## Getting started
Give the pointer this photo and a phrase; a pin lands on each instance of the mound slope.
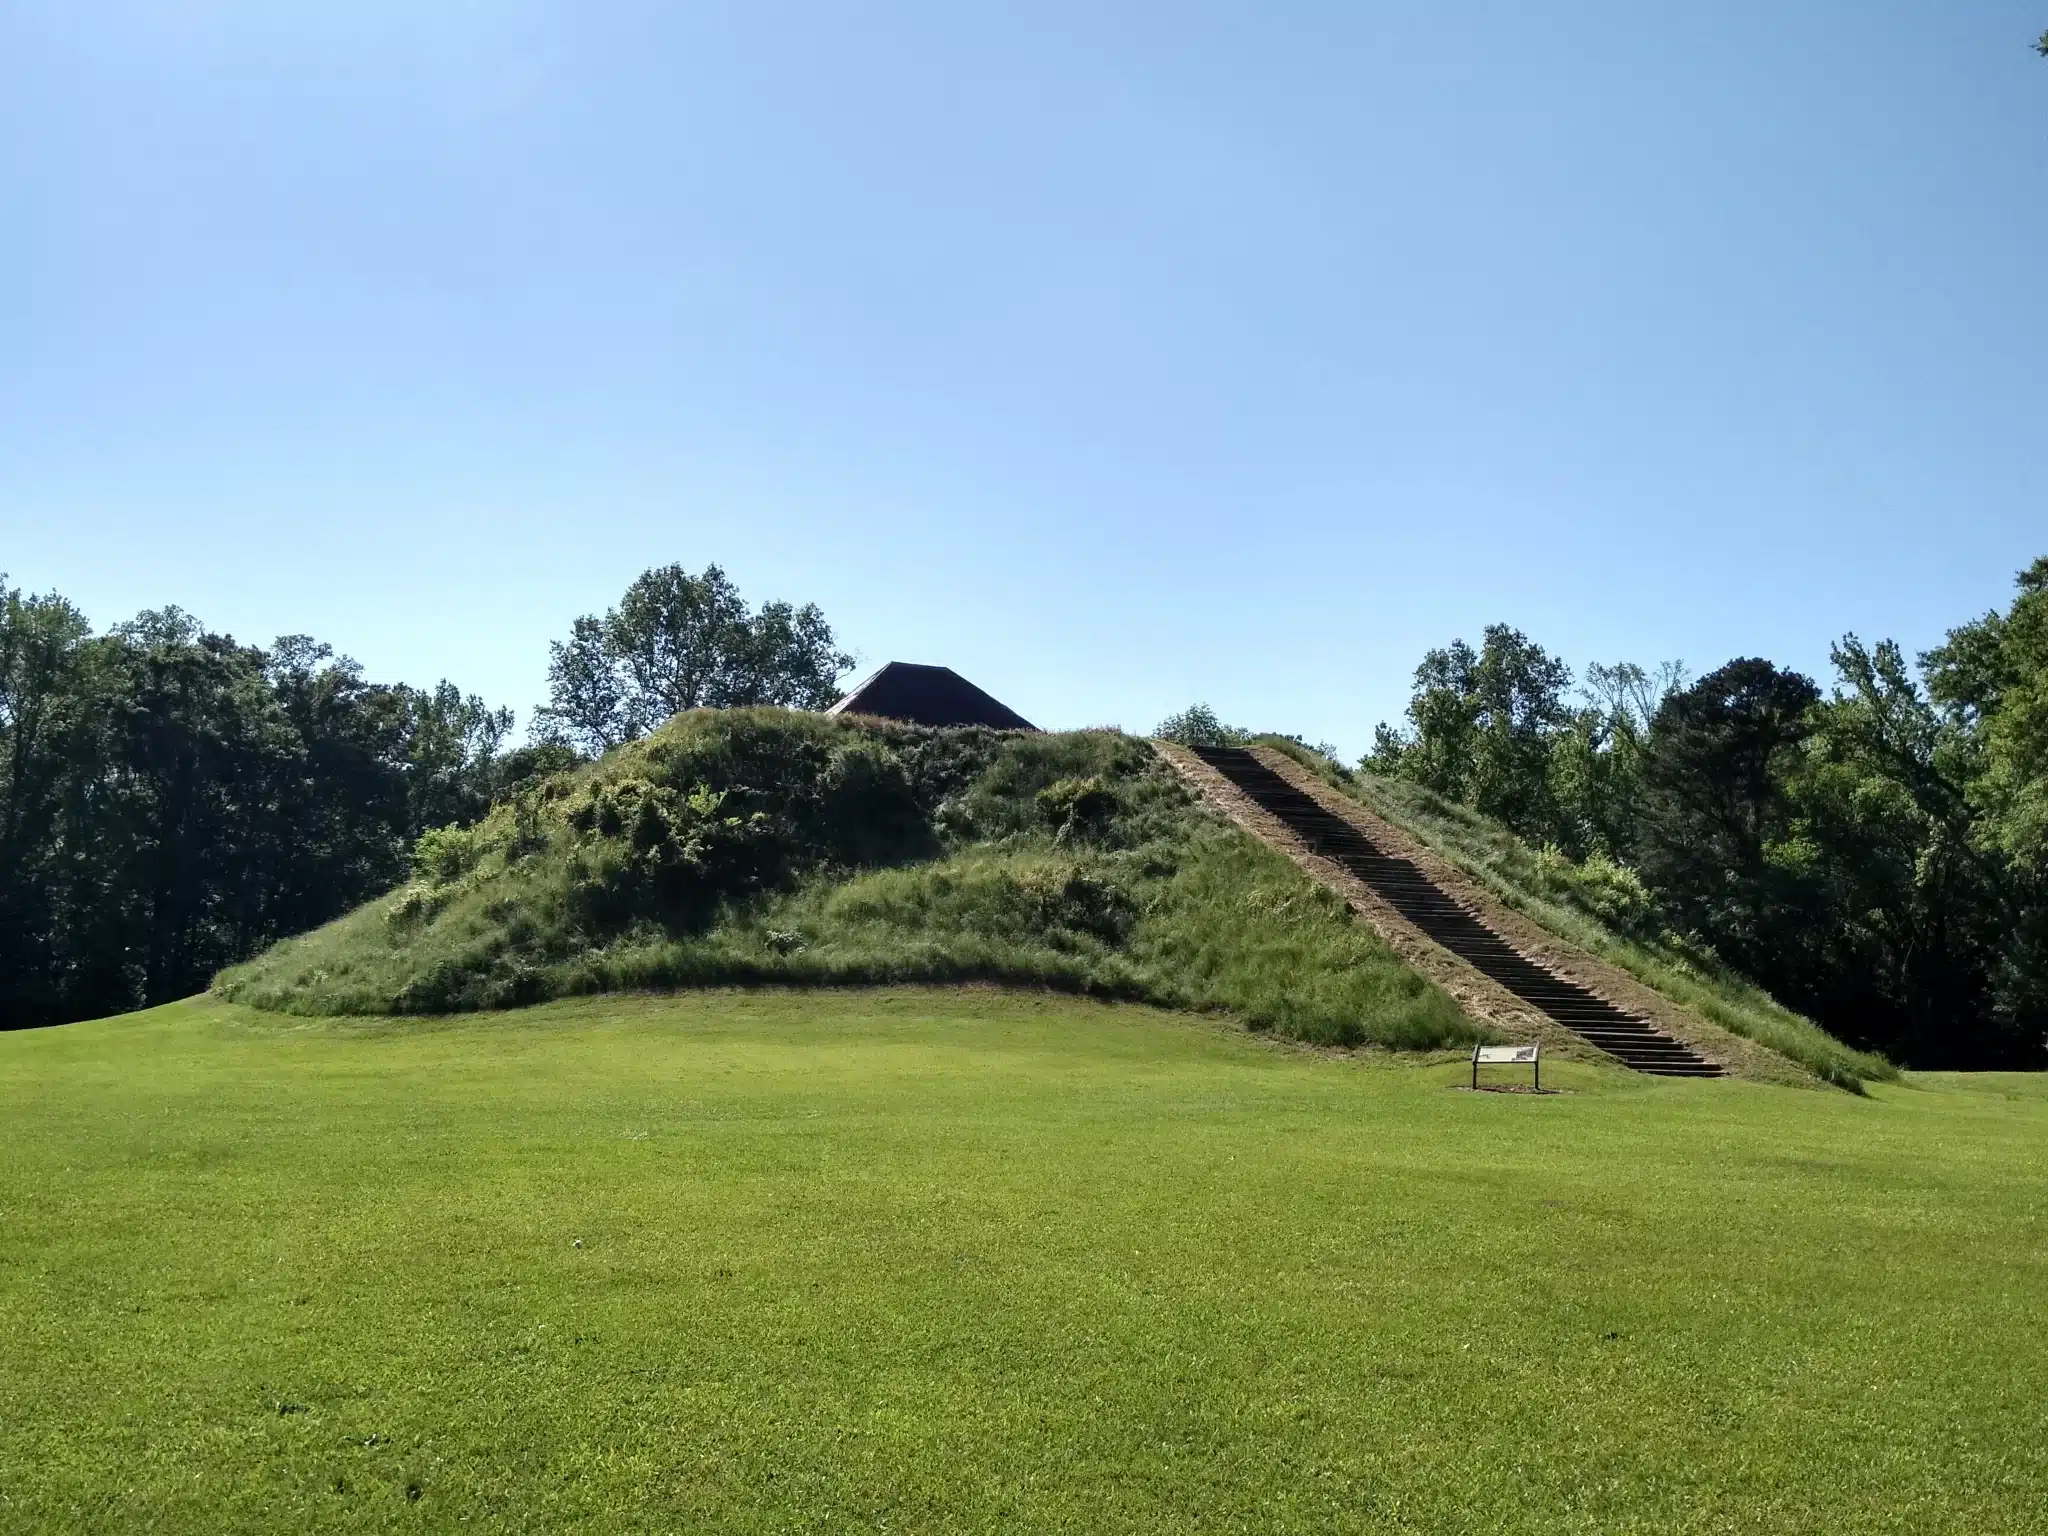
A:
(774, 846)
(1587, 924)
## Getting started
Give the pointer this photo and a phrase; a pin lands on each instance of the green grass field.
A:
(960, 1260)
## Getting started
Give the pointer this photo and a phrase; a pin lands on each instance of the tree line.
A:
(172, 800)
(1874, 853)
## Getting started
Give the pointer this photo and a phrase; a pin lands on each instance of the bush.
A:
(1077, 809)
(1197, 726)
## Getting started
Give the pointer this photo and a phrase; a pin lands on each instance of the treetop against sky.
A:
(1013, 340)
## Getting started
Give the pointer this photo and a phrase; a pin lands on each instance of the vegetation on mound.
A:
(1600, 906)
(771, 846)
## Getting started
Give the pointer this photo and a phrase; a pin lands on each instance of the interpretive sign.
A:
(1530, 1056)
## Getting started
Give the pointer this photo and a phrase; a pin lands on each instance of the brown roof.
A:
(928, 696)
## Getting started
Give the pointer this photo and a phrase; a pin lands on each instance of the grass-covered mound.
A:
(1602, 907)
(771, 846)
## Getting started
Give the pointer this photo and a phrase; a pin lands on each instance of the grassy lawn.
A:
(935, 1261)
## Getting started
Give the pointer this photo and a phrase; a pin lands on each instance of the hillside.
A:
(1597, 907)
(775, 846)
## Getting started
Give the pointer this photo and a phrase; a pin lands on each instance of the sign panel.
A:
(1505, 1055)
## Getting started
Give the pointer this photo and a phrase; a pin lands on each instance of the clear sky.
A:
(1116, 355)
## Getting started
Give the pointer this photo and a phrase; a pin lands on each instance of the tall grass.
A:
(1601, 907)
(1074, 861)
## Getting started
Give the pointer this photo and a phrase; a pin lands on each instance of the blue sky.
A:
(1115, 355)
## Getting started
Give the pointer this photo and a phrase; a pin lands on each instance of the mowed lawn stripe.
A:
(964, 1260)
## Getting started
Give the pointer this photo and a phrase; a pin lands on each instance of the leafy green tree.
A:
(381, 763)
(40, 642)
(1901, 916)
(1596, 759)
(1991, 679)
(171, 800)
(1197, 726)
(1482, 724)
(192, 838)
(1993, 676)
(1714, 802)
(45, 727)
(453, 741)
(676, 642)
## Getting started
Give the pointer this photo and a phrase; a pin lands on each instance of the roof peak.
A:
(922, 693)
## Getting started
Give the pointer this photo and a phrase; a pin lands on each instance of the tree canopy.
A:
(1876, 856)
(676, 642)
(171, 799)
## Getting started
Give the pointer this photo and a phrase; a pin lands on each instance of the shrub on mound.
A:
(771, 846)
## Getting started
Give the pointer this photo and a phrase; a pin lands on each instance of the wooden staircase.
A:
(1410, 892)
